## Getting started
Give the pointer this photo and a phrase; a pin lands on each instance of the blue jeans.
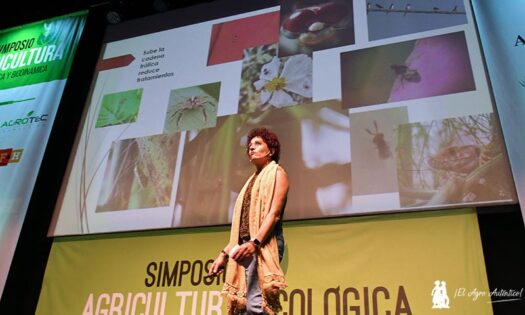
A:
(254, 295)
(254, 298)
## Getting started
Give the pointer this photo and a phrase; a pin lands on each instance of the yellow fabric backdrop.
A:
(385, 264)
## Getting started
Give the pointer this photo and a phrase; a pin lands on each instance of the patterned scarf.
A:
(271, 276)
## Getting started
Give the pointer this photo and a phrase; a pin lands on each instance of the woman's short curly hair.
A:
(269, 138)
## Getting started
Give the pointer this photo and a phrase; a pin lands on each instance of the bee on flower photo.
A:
(269, 81)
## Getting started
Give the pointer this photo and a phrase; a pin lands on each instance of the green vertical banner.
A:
(39, 52)
(34, 63)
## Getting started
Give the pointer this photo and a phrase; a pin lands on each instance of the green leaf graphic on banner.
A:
(30, 113)
(119, 108)
(50, 34)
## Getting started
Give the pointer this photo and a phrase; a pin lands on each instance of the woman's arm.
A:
(218, 265)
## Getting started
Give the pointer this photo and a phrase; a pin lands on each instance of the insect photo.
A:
(119, 108)
(192, 108)
(379, 141)
(189, 105)
(406, 74)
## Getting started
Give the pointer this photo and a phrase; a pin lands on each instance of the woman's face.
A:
(258, 150)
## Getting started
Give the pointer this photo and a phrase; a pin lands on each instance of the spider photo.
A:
(192, 108)
(190, 105)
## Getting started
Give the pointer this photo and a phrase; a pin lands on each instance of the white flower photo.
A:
(295, 78)
(269, 81)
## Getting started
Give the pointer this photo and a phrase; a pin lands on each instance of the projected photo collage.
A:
(376, 111)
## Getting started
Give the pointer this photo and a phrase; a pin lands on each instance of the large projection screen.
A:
(379, 108)
(34, 64)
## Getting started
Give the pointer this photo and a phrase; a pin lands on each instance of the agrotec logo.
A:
(8, 156)
(29, 119)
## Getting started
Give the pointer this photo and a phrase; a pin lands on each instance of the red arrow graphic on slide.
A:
(115, 62)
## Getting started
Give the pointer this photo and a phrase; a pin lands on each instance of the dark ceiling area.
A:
(34, 10)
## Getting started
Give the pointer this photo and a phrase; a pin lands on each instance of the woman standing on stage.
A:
(253, 275)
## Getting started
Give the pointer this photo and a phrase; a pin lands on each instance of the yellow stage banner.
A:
(413, 263)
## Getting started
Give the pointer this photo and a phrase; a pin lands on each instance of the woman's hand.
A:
(244, 251)
(218, 265)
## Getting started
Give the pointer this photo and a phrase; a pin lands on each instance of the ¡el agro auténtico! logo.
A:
(30, 119)
(496, 295)
(440, 299)
(439, 294)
